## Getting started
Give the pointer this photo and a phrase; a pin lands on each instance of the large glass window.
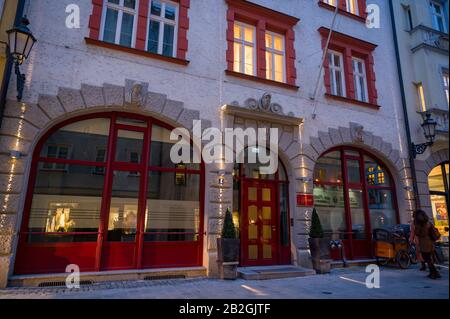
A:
(275, 53)
(337, 79)
(119, 22)
(438, 16)
(162, 28)
(360, 80)
(244, 48)
(438, 181)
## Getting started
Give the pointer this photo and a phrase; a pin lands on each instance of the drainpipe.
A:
(9, 63)
(405, 108)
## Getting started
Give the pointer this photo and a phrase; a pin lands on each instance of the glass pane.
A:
(268, 40)
(269, 65)
(160, 150)
(78, 141)
(248, 34)
(266, 194)
(130, 4)
(440, 215)
(381, 207)
(278, 43)
(252, 164)
(252, 214)
(267, 251)
(436, 179)
(357, 212)
(284, 221)
(279, 68)
(328, 168)
(132, 122)
(252, 194)
(173, 209)
(252, 231)
(337, 60)
(237, 57)
(123, 210)
(126, 32)
(267, 232)
(129, 143)
(168, 40)
(351, 152)
(66, 201)
(248, 60)
(353, 171)
(252, 252)
(376, 175)
(156, 8)
(237, 31)
(339, 87)
(109, 33)
(114, 1)
(447, 173)
(329, 203)
(153, 36)
(267, 213)
(170, 12)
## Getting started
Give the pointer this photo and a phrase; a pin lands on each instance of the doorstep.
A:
(58, 279)
(352, 263)
(273, 272)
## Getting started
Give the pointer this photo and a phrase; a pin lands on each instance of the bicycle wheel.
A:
(413, 255)
(403, 259)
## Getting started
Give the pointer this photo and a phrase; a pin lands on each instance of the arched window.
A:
(106, 182)
(438, 183)
(353, 194)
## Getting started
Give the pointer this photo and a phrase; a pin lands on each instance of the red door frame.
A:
(283, 253)
(355, 248)
(27, 253)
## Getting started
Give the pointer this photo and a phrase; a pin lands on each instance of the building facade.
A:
(422, 32)
(94, 185)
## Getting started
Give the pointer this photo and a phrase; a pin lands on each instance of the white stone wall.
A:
(65, 77)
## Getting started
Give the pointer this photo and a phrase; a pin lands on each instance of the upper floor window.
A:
(421, 97)
(56, 151)
(336, 67)
(119, 22)
(244, 48)
(437, 16)
(360, 79)
(162, 27)
(275, 53)
(445, 80)
(352, 6)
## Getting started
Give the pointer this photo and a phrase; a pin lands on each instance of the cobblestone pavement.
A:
(340, 283)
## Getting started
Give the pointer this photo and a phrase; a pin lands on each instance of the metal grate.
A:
(164, 277)
(63, 283)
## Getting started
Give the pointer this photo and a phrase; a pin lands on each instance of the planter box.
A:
(228, 257)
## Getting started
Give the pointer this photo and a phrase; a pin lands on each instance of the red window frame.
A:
(355, 248)
(351, 47)
(95, 20)
(42, 257)
(262, 19)
(361, 16)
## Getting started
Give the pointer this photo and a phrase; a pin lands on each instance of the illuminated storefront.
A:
(438, 181)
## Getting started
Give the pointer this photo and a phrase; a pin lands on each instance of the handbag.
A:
(435, 235)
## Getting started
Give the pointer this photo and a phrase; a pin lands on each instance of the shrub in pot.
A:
(228, 249)
(315, 236)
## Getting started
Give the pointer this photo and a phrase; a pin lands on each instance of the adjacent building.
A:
(91, 182)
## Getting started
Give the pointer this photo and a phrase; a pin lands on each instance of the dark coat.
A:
(426, 244)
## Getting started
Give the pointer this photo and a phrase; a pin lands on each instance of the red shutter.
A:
(291, 71)
(261, 48)
(95, 19)
(348, 67)
(230, 39)
(141, 33)
(183, 27)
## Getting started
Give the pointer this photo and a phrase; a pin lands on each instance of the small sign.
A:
(305, 199)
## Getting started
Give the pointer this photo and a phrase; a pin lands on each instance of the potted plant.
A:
(315, 238)
(228, 249)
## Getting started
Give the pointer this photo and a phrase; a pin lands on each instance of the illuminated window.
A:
(375, 176)
(275, 57)
(244, 48)
(331, 2)
(445, 80)
(352, 6)
(421, 96)
(119, 22)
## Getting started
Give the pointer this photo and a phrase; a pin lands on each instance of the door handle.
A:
(274, 228)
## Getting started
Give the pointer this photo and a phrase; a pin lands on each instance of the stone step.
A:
(103, 276)
(273, 272)
(351, 263)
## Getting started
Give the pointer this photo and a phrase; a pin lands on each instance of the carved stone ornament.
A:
(357, 132)
(263, 104)
(135, 92)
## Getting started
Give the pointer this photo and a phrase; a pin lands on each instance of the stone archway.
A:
(25, 122)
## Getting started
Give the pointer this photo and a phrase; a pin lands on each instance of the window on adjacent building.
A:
(275, 57)
(162, 27)
(330, 2)
(119, 22)
(445, 80)
(336, 66)
(244, 48)
(408, 18)
(59, 152)
(100, 157)
(360, 79)
(437, 16)
(421, 96)
(352, 6)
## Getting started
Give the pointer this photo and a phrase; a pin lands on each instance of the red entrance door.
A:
(259, 219)
(125, 203)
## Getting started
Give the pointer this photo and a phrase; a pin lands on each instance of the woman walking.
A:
(422, 230)
(415, 240)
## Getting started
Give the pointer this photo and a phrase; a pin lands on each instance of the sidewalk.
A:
(340, 283)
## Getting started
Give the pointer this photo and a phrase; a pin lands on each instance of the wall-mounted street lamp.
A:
(20, 43)
(429, 130)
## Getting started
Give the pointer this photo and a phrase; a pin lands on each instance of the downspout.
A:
(9, 63)
(405, 108)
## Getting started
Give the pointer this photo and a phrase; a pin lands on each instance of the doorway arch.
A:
(97, 197)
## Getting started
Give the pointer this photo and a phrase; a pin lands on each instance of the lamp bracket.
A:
(420, 148)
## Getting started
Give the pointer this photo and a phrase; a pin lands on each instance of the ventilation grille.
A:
(164, 277)
(63, 283)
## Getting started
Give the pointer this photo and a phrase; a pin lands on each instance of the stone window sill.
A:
(136, 51)
(340, 11)
(261, 80)
(352, 101)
